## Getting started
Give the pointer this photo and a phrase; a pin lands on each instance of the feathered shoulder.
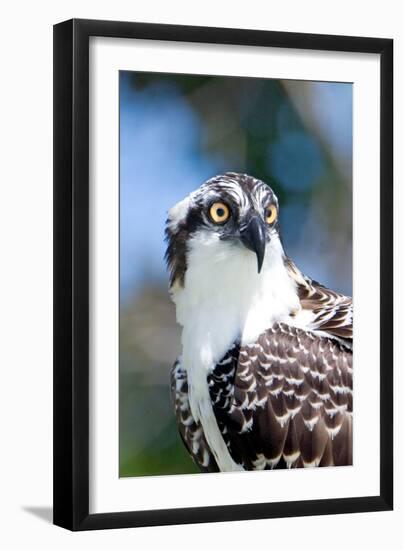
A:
(332, 311)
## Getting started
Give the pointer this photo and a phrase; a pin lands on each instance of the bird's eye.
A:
(219, 212)
(271, 214)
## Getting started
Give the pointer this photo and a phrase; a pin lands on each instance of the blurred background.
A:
(176, 131)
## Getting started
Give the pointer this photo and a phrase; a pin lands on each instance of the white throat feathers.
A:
(225, 299)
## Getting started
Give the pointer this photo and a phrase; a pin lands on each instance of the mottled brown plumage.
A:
(287, 399)
(333, 312)
(190, 431)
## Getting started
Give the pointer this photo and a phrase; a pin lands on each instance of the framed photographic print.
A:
(221, 198)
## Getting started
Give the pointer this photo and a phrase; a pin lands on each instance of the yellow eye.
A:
(219, 212)
(271, 214)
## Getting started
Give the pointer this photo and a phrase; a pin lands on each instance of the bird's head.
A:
(228, 212)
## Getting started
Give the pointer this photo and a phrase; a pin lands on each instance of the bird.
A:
(265, 375)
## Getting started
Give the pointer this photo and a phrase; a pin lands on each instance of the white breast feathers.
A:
(225, 299)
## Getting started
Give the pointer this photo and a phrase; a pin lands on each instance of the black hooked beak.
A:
(253, 236)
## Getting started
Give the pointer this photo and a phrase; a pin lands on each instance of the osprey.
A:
(265, 375)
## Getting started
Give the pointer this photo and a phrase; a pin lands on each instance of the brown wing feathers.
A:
(332, 311)
(285, 401)
(190, 431)
(291, 403)
(302, 413)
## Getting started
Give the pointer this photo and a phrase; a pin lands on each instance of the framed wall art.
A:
(222, 197)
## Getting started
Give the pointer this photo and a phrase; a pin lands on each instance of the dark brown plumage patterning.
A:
(190, 431)
(333, 312)
(286, 400)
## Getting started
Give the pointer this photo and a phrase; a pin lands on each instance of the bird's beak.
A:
(253, 236)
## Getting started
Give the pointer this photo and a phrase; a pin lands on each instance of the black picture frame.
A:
(71, 274)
